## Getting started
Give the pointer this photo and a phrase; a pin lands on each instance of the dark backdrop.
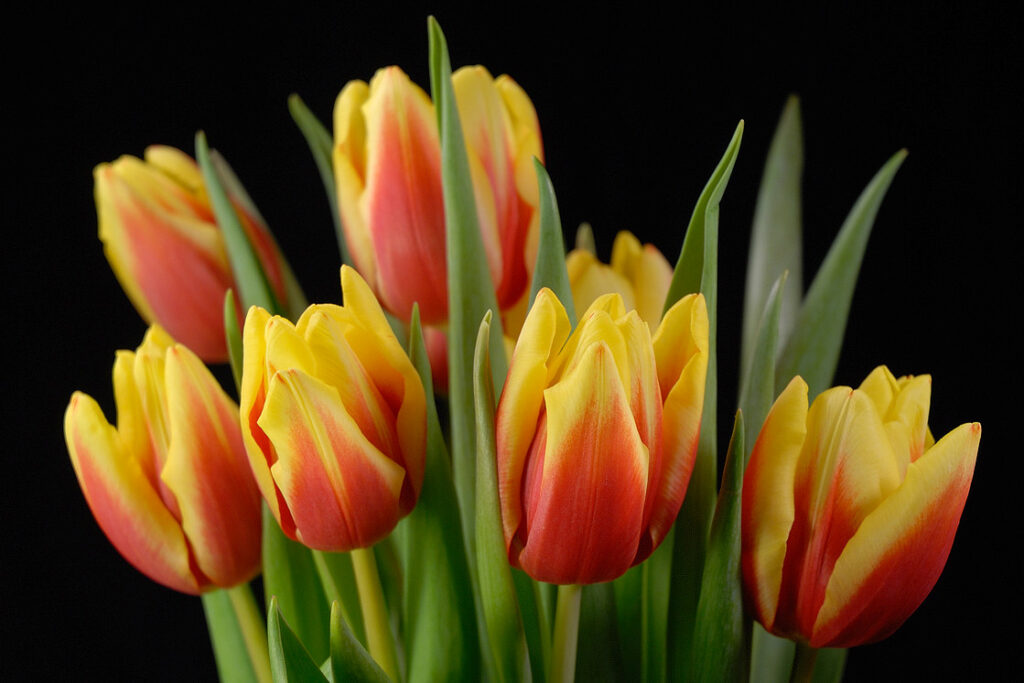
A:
(635, 109)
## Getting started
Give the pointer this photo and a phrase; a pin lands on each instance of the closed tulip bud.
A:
(163, 244)
(387, 164)
(334, 420)
(597, 434)
(170, 485)
(850, 508)
(640, 274)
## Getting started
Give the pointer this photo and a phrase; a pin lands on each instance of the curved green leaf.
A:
(349, 660)
(233, 336)
(549, 270)
(758, 391)
(289, 661)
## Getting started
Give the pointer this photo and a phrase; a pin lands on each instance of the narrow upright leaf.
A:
(233, 336)
(775, 236)
(812, 350)
(321, 146)
(349, 659)
(720, 645)
(758, 391)
(290, 662)
(549, 270)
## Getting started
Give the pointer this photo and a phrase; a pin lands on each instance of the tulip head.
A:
(589, 477)
(163, 243)
(387, 165)
(334, 420)
(850, 508)
(170, 485)
(638, 273)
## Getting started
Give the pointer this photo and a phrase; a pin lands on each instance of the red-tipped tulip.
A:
(597, 434)
(163, 244)
(850, 508)
(170, 485)
(334, 420)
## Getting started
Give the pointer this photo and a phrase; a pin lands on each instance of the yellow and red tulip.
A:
(170, 485)
(387, 165)
(163, 244)
(597, 434)
(850, 508)
(639, 273)
(334, 420)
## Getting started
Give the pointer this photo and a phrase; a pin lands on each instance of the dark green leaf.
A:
(829, 665)
(349, 659)
(598, 658)
(549, 270)
(289, 660)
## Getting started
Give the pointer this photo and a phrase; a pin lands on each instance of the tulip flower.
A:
(334, 420)
(170, 485)
(850, 508)
(638, 273)
(597, 434)
(387, 165)
(163, 244)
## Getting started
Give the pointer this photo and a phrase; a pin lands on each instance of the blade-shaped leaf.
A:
(758, 391)
(233, 336)
(349, 660)
(656, 588)
(507, 640)
(549, 270)
(289, 660)
(697, 270)
(339, 584)
(441, 640)
(321, 146)
(775, 236)
(720, 645)
(598, 658)
(812, 350)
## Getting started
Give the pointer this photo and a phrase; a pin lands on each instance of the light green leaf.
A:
(441, 639)
(549, 270)
(775, 236)
(812, 351)
(697, 270)
(289, 661)
(507, 640)
(656, 574)
(338, 580)
(349, 660)
(233, 336)
(771, 657)
(720, 646)
(321, 146)
(227, 638)
(758, 391)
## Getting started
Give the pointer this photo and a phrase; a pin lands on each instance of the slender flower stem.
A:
(380, 642)
(803, 664)
(567, 628)
(254, 630)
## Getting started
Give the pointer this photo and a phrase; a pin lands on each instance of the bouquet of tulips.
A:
(495, 460)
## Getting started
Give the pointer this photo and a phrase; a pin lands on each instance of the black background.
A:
(636, 106)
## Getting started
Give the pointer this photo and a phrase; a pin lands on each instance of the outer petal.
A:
(350, 173)
(208, 472)
(342, 492)
(768, 506)
(544, 332)
(584, 509)
(897, 554)
(125, 504)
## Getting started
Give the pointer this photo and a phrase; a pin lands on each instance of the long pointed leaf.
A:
(321, 146)
(720, 646)
(775, 236)
(338, 580)
(812, 350)
(349, 659)
(233, 336)
(289, 660)
(656, 575)
(549, 270)
(758, 391)
(598, 657)
(697, 270)
(441, 640)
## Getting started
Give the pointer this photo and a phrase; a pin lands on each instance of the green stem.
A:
(567, 629)
(803, 665)
(380, 642)
(254, 630)
(543, 620)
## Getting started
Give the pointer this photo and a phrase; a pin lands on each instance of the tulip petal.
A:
(341, 491)
(350, 173)
(583, 499)
(122, 499)
(897, 554)
(590, 279)
(208, 473)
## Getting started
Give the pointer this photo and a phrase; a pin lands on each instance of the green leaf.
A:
(290, 576)
(252, 283)
(349, 660)
(549, 270)
(233, 336)
(598, 657)
(812, 350)
(775, 236)
(229, 648)
(441, 639)
(656, 575)
(321, 146)
(771, 657)
(697, 270)
(720, 646)
(629, 614)
(829, 665)
(470, 290)
(289, 661)
(339, 584)
(758, 391)
(507, 640)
